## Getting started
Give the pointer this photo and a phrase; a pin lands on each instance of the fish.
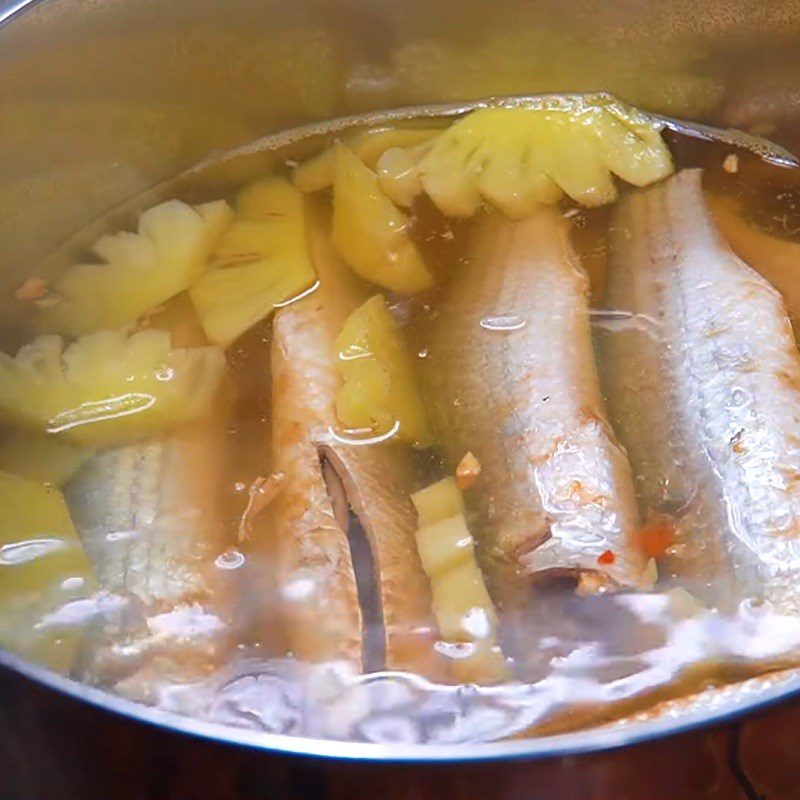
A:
(709, 407)
(144, 518)
(512, 379)
(325, 479)
(150, 520)
(777, 259)
(147, 517)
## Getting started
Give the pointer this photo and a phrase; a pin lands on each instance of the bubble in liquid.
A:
(231, 559)
(503, 322)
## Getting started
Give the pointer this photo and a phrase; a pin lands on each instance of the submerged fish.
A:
(513, 375)
(144, 517)
(324, 479)
(709, 408)
(149, 518)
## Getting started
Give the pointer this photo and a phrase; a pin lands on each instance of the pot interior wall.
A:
(98, 101)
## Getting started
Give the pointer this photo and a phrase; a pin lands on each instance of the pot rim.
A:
(534, 748)
(9, 8)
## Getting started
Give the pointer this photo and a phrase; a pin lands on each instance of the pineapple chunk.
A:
(139, 270)
(446, 545)
(379, 389)
(398, 175)
(317, 172)
(518, 157)
(42, 567)
(107, 388)
(36, 515)
(374, 143)
(461, 603)
(463, 607)
(370, 233)
(440, 500)
(260, 262)
(41, 458)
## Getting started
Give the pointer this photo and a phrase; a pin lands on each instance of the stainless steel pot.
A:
(99, 101)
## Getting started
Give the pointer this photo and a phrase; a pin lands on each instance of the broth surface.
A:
(207, 623)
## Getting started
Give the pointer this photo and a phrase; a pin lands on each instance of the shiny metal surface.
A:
(7, 10)
(100, 101)
(543, 747)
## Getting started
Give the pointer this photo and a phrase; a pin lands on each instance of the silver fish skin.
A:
(709, 409)
(145, 531)
(513, 378)
(148, 518)
(325, 477)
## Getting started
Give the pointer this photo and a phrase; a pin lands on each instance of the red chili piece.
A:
(606, 557)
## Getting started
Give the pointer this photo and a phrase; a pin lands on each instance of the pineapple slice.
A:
(139, 270)
(370, 233)
(521, 156)
(42, 567)
(398, 175)
(107, 388)
(41, 458)
(379, 389)
(260, 262)
(374, 143)
(461, 603)
(317, 172)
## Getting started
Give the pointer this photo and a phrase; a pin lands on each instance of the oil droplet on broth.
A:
(231, 559)
(23, 552)
(503, 322)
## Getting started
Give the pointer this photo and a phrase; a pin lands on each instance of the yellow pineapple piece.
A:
(445, 545)
(370, 233)
(373, 143)
(36, 514)
(398, 174)
(40, 457)
(107, 387)
(463, 607)
(464, 611)
(521, 156)
(379, 388)
(138, 270)
(317, 172)
(42, 567)
(439, 501)
(262, 260)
